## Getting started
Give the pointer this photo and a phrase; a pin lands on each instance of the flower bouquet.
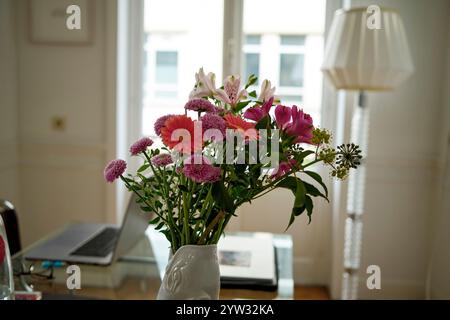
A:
(224, 150)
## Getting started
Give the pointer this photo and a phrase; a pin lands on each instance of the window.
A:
(287, 51)
(251, 56)
(291, 70)
(166, 67)
(174, 50)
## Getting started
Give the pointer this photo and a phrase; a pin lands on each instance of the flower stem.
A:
(211, 226)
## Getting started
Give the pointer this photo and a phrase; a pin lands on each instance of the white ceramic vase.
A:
(192, 273)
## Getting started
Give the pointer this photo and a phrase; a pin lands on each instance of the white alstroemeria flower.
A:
(205, 86)
(267, 91)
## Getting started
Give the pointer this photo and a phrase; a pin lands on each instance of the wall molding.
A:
(66, 156)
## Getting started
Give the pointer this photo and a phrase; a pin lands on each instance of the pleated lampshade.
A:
(361, 58)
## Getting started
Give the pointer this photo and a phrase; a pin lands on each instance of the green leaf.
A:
(263, 123)
(241, 105)
(298, 211)
(312, 190)
(300, 194)
(154, 221)
(303, 154)
(309, 207)
(288, 183)
(291, 221)
(222, 197)
(182, 187)
(318, 178)
(252, 94)
(146, 209)
(143, 167)
(159, 226)
(251, 80)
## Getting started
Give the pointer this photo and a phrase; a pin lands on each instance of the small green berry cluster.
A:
(340, 159)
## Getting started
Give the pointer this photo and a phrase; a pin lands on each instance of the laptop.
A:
(94, 243)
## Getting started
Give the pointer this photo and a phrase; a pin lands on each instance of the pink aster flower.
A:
(199, 169)
(160, 123)
(200, 105)
(114, 169)
(214, 121)
(257, 113)
(140, 146)
(162, 160)
(283, 168)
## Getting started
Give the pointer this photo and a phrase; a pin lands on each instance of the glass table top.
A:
(138, 274)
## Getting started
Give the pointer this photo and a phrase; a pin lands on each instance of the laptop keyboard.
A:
(99, 246)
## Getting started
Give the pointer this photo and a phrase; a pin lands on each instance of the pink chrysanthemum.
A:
(162, 160)
(140, 146)
(200, 105)
(199, 169)
(213, 121)
(160, 123)
(114, 169)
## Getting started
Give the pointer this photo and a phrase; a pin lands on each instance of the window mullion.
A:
(232, 36)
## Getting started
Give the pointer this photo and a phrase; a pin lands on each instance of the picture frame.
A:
(47, 22)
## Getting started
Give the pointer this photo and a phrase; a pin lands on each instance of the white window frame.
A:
(256, 49)
(290, 49)
(160, 45)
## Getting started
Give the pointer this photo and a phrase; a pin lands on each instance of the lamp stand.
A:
(355, 202)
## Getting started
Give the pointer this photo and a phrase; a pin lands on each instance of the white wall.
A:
(60, 174)
(8, 105)
(439, 279)
(403, 157)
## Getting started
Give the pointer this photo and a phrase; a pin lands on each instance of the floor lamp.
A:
(363, 56)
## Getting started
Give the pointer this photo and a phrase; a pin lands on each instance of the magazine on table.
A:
(248, 261)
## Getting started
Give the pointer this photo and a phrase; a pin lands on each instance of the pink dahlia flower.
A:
(162, 160)
(199, 169)
(114, 169)
(200, 105)
(140, 146)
